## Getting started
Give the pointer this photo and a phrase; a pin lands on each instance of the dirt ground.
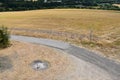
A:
(17, 59)
(23, 54)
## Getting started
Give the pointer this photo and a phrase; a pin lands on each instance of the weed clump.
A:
(4, 37)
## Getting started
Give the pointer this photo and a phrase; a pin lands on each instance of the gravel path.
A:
(96, 62)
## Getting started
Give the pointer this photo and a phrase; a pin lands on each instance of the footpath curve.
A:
(112, 67)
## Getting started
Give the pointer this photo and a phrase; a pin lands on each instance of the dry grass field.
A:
(94, 29)
(64, 19)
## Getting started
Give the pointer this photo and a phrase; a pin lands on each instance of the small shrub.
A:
(4, 37)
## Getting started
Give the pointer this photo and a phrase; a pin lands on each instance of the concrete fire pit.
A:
(39, 65)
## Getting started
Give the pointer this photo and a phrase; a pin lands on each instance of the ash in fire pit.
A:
(39, 65)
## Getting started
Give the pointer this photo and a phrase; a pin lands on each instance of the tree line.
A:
(16, 5)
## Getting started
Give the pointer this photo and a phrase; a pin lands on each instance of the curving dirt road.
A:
(110, 66)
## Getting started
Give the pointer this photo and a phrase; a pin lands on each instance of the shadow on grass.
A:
(5, 63)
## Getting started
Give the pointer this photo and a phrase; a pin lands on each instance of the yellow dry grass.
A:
(105, 25)
(62, 19)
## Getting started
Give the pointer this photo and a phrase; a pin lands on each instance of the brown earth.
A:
(62, 65)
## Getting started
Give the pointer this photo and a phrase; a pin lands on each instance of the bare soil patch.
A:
(62, 65)
(5, 64)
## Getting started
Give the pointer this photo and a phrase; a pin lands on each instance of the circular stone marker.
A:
(39, 65)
